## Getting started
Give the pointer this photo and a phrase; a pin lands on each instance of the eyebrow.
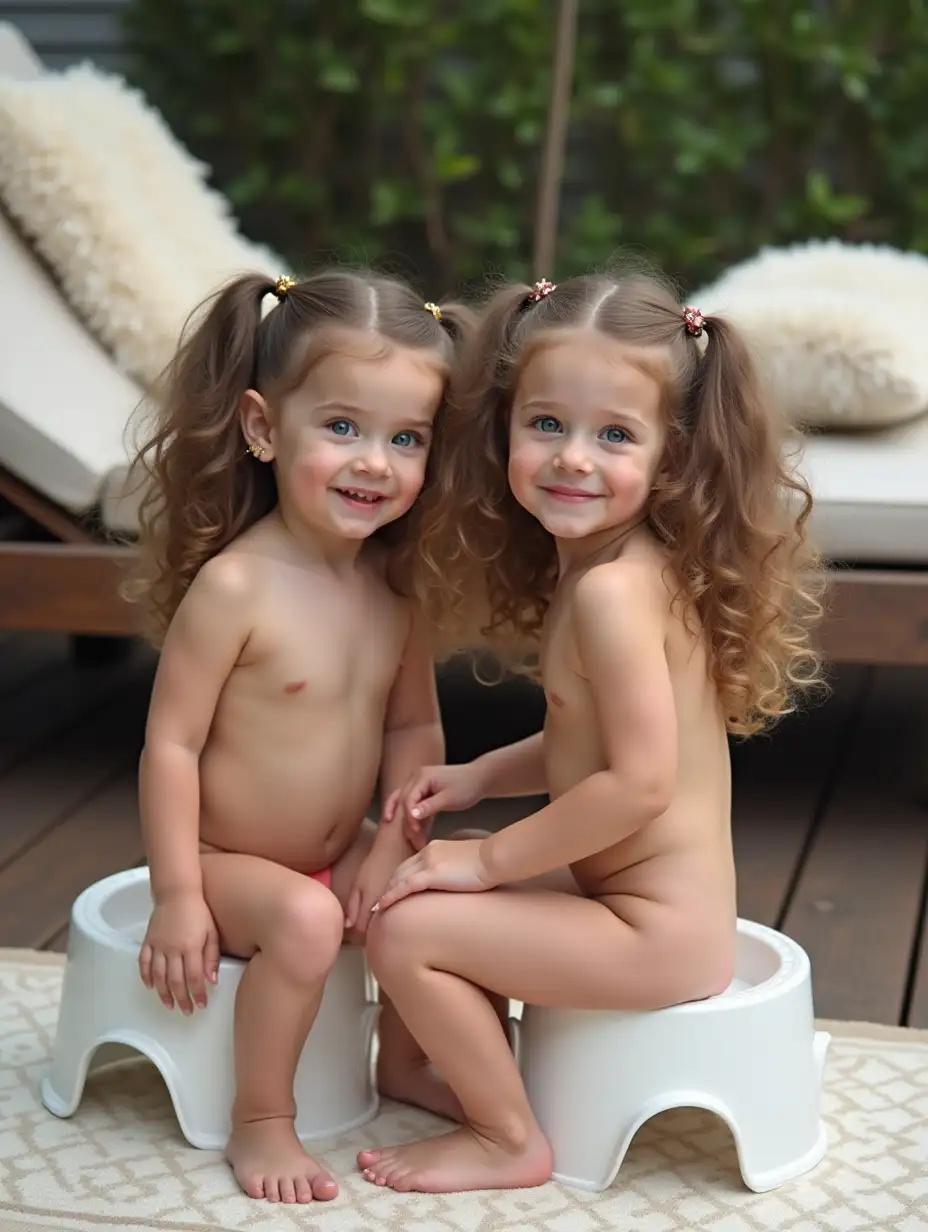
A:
(348, 408)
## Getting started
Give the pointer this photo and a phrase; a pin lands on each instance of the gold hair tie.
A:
(433, 309)
(283, 285)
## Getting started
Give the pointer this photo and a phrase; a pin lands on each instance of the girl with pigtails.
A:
(294, 669)
(610, 478)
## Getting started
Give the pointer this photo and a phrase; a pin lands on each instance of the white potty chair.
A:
(751, 1055)
(107, 1014)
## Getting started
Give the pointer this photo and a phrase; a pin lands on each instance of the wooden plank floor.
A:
(830, 813)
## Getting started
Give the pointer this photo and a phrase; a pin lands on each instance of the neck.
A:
(574, 554)
(334, 551)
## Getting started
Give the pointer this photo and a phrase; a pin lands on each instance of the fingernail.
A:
(201, 1002)
(375, 908)
(415, 812)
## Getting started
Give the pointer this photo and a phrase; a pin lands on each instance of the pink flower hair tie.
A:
(541, 290)
(693, 321)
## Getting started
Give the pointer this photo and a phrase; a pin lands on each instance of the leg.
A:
(290, 929)
(404, 1072)
(434, 952)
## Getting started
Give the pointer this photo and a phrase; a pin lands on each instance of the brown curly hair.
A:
(731, 513)
(200, 489)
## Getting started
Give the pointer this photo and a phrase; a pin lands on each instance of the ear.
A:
(255, 417)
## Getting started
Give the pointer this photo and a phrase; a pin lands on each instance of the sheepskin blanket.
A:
(838, 329)
(118, 209)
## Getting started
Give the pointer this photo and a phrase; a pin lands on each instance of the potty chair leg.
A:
(777, 1125)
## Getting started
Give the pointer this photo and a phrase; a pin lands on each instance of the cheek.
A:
(410, 474)
(524, 461)
(313, 466)
(630, 478)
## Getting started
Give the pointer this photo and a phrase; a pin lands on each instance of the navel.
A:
(295, 686)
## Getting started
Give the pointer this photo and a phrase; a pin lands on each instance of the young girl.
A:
(616, 482)
(292, 446)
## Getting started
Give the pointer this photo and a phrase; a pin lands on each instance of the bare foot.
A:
(269, 1162)
(419, 1084)
(459, 1161)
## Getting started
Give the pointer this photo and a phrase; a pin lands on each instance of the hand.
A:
(369, 884)
(180, 952)
(456, 864)
(433, 790)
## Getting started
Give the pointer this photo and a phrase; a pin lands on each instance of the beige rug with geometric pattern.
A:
(121, 1163)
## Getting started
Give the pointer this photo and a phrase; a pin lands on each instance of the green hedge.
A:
(407, 133)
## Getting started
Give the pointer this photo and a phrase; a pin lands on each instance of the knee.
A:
(306, 932)
(394, 938)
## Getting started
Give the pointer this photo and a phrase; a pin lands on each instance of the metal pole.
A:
(552, 167)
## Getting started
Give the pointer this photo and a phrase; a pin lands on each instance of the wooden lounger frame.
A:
(68, 581)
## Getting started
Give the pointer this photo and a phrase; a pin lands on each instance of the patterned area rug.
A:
(120, 1162)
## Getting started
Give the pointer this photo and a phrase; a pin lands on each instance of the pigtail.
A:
(733, 516)
(478, 548)
(458, 320)
(200, 488)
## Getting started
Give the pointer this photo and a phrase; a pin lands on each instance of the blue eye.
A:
(546, 423)
(406, 440)
(342, 427)
(615, 436)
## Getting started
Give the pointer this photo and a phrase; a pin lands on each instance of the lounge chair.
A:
(65, 406)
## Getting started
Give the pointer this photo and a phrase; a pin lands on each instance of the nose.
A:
(372, 460)
(572, 456)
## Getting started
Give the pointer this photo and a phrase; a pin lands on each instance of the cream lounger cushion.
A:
(118, 209)
(64, 406)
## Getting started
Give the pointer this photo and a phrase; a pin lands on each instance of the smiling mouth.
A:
(571, 495)
(360, 496)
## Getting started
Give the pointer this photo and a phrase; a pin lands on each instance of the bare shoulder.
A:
(626, 586)
(230, 577)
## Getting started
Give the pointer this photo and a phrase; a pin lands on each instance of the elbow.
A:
(646, 796)
(656, 798)
(159, 753)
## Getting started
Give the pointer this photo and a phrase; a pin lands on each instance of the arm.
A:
(514, 770)
(619, 616)
(413, 735)
(200, 649)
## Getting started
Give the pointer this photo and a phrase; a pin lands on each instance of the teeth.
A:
(361, 496)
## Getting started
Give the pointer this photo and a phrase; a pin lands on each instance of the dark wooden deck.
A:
(830, 819)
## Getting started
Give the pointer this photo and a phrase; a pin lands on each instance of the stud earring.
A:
(256, 450)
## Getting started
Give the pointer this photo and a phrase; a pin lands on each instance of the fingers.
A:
(428, 806)
(354, 903)
(211, 957)
(159, 977)
(195, 977)
(177, 983)
(363, 920)
(145, 966)
(389, 809)
(413, 884)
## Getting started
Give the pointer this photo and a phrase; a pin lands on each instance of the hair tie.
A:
(283, 285)
(541, 290)
(693, 321)
(433, 309)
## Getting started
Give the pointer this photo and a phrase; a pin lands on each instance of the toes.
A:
(367, 1159)
(253, 1186)
(304, 1189)
(384, 1170)
(271, 1189)
(287, 1189)
(324, 1188)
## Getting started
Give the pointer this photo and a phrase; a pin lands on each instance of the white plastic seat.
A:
(751, 1055)
(107, 1014)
